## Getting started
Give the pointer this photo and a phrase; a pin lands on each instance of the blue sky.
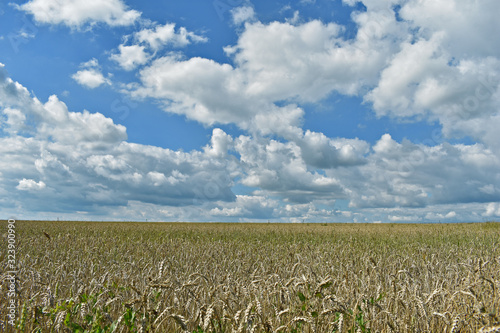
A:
(235, 110)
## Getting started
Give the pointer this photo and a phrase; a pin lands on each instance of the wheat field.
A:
(215, 277)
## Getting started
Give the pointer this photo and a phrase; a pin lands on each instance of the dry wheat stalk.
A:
(456, 324)
(180, 320)
(159, 320)
(208, 316)
(237, 317)
(117, 323)
(491, 329)
(423, 293)
(59, 320)
(340, 323)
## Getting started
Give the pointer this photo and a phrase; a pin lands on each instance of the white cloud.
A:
(162, 35)
(282, 61)
(220, 144)
(78, 13)
(246, 206)
(435, 61)
(148, 41)
(446, 70)
(85, 157)
(129, 57)
(90, 75)
(243, 14)
(192, 87)
(272, 62)
(15, 120)
(295, 18)
(30, 185)
(393, 174)
(436, 217)
(467, 24)
(90, 78)
(157, 178)
(415, 175)
(306, 62)
(279, 169)
(450, 215)
(492, 209)
(75, 128)
(414, 64)
(92, 63)
(398, 218)
(265, 73)
(322, 152)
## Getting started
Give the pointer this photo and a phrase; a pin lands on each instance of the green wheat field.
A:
(219, 277)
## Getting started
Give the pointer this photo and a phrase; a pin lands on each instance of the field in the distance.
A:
(184, 277)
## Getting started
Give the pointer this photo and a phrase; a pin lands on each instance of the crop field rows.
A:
(186, 277)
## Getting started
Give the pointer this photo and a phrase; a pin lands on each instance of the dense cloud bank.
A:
(410, 60)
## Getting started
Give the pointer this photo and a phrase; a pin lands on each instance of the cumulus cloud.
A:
(405, 64)
(273, 62)
(14, 121)
(78, 13)
(281, 60)
(86, 157)
(246, 206)
(90, 75)
(131, 56)
(415, 175)
(243, 14)
(220, 144)
(148, 41)
(192, 87)
(297, 63)
(420, 60)
(324, 153)
(467, 24)
(90, 78)
(30, 185)
(162, 35)
(492, 210)
(464, 212)
(279, 169)
(447, 69)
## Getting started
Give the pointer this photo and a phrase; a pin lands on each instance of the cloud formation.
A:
(90, 75)
(79, 13)
(148, 41)
(82, 159)
(130, 57)
(408, 61)
(243, 14)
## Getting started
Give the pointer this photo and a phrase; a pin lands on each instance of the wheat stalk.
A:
(180, 320)
(456, 324)
(340, 323)
(491, 329)
(208, 316)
